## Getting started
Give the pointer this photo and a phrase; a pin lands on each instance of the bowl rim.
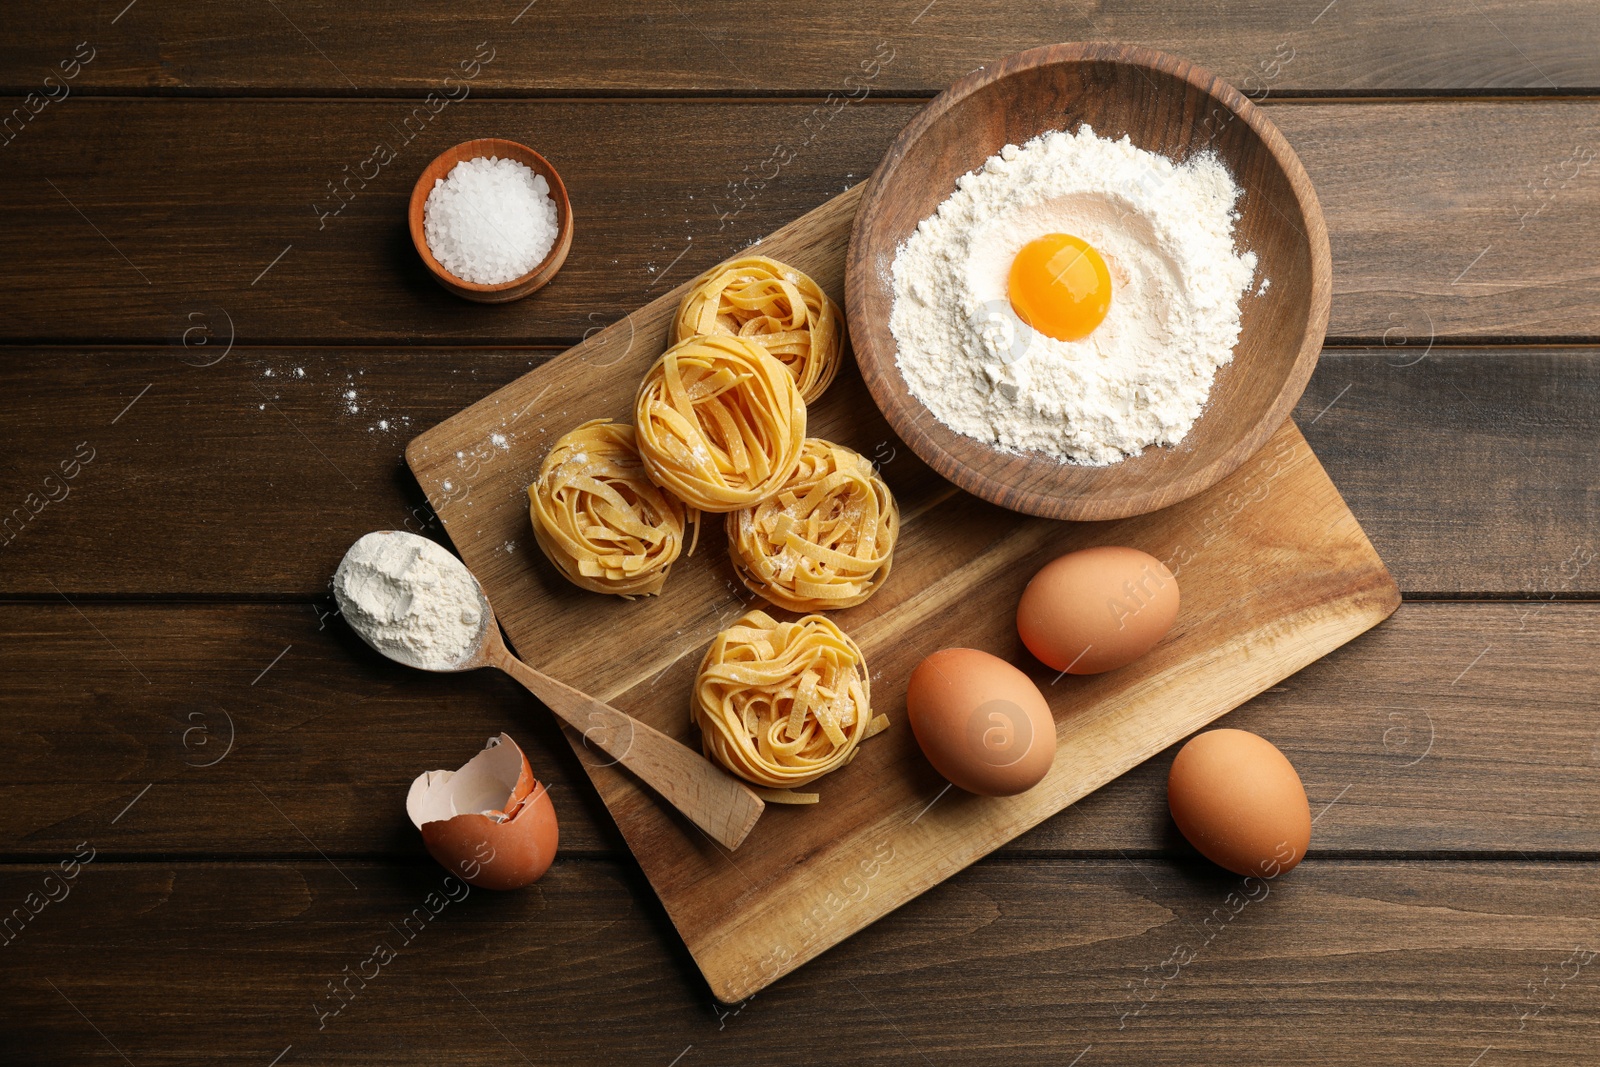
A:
(885, 376)
(415, 213)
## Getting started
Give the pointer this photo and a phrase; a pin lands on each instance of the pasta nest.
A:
(782, 704)
(774, 305)
(600, 519)
(720, 422)
(826, 540)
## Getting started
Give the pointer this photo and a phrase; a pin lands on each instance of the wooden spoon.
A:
(721, 805)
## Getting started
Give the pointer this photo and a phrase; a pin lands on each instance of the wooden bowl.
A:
(1163, 104)
(517, 288)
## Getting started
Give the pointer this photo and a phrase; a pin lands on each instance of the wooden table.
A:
(218, 342)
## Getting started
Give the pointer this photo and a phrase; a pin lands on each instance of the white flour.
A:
(409, 599)
(1142, 377)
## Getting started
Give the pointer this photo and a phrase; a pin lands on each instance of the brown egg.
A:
(490, 823)
(1097, 609)
(982, 723)
(1239, 801)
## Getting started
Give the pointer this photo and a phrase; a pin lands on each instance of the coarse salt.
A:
(490, 220)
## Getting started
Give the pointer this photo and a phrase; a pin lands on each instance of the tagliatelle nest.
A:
(598, 516)
(826, 540)
(720, 422)
(782, 704)
(774, 305)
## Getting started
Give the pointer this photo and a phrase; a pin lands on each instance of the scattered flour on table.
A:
(1143, 376)
(410, 599)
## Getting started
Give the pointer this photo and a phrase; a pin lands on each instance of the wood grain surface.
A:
(1138, 960)
(323, 47)
(1445, 915)
(1391, 715)
(1471, 469)
(1489, 241)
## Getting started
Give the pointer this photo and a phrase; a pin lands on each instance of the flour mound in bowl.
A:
(1142, 376)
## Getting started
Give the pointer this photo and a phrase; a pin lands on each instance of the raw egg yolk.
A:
(1060, 286)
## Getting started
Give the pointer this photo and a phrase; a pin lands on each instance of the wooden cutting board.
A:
(1275, 572)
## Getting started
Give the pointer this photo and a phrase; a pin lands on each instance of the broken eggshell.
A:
(491, 822)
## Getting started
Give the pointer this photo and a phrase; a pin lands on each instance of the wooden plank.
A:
(1395, 735)
(229, 213)
(1453, 728)
(1472, 470)
(267, 463)
(208, 46)
(1502, 447)
(1500, 757)
(1339, 962)
(258, 730)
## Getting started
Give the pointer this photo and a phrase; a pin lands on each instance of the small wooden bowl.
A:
(1163, 104)
(517, 288)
